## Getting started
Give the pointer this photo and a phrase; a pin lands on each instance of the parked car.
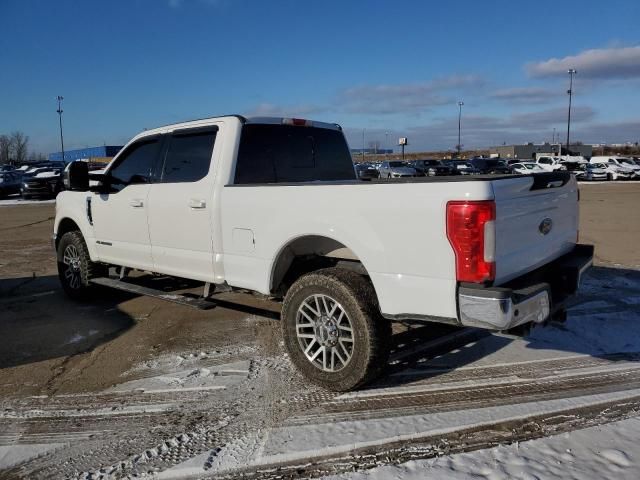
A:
(366, 171)
(526, 168)
(550, 164)
(462, 167)
(432, 168)
(44, 182)
(397, 169)
(577, 169)
(596, 171)
(489, 165)
(625, 164)
(296, 224)
(9, 183)
(616, 169)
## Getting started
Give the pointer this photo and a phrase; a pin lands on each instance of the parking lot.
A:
(132, 385)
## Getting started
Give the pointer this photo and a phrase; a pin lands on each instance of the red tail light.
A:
(471, 233)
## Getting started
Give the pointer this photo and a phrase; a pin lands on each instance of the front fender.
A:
(72, 206)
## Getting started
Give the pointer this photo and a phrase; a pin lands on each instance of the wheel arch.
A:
(306, 253)
(65, 225)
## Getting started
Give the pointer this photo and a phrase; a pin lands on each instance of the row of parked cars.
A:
(34, 180)
(596, 168)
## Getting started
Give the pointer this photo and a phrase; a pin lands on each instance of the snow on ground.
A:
(606, 451)
(11, 455)
(17, 200)
(605, 321)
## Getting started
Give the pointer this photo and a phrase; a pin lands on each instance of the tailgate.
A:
(536, 221)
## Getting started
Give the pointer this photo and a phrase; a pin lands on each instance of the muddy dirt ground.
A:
(130, 385)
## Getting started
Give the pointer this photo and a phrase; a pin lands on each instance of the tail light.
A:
(471, 233)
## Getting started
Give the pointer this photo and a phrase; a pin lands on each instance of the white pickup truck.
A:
(273, 205)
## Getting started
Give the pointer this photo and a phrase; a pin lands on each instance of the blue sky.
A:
(384, 66)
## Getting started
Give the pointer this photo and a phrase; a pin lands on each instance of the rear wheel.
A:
(333, 330)
(75, 267)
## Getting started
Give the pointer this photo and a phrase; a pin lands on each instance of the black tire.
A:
(75, 267)
(369, 337)
(609, 177)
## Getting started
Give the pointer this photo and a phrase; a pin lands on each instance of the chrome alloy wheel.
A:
(324, 333)
(72, 272)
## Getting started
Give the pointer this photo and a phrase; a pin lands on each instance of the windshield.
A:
(598, 165)
(626, 161)
(398, 164)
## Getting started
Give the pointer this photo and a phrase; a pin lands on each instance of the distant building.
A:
(371, 151)
(94, 154)
(529, 150)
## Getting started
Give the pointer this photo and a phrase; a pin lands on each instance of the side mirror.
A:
(76, 176)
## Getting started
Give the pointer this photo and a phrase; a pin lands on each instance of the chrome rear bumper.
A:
(531, 298)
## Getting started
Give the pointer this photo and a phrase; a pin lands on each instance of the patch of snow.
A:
(47, 174)
(20, 201)
(13, 455)
(606, 451)
(192, 379)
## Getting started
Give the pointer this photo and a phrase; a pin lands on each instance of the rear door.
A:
(536, 221)
(180, 205)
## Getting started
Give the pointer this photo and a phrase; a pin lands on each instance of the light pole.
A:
(571, 73)
(363, 144)
(386, 143)
(59, 98)
(459, 146)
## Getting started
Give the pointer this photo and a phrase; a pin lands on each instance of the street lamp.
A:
(386, 143)
(459, 146)
(571, 73)
(59, 98)
(363, 144)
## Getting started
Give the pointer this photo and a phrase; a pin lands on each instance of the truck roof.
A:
(244, 120)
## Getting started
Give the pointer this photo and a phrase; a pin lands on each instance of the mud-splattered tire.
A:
(75, 267)
(333, 330)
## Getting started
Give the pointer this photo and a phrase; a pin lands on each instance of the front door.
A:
(180, 206)
(120, 216)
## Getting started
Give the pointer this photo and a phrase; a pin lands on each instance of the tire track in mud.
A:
(490, 385)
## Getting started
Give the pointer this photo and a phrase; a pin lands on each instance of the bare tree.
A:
(5, 149)
(20, 144)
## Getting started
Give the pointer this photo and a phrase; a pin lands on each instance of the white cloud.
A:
(526, 95)
(603, 63)
(405, 98)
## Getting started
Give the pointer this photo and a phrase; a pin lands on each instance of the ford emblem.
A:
(545, 226)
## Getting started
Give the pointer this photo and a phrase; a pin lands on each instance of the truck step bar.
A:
(195, 302)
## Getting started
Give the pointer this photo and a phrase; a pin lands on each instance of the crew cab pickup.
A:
(273, 205)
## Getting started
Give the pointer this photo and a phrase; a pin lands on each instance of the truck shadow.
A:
(38, 322)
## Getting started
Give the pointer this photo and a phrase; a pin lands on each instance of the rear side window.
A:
(188, 156)
(287, 153)
(135, 164)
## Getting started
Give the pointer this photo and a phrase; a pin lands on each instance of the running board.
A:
(195, 302)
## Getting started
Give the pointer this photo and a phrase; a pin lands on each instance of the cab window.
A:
(135, 164)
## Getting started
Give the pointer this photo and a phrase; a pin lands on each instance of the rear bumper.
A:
(530, 298)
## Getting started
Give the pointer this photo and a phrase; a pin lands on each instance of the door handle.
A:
(195, 203)
(136, 203)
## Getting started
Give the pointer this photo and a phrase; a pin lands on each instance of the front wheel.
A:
(75, 267)
(333, 330)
